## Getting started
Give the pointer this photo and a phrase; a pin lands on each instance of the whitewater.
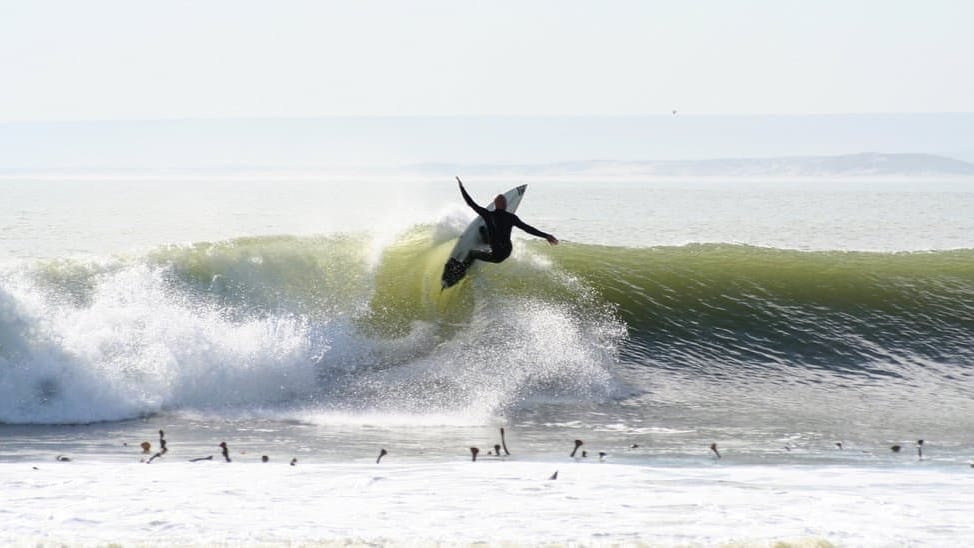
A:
(745, 362)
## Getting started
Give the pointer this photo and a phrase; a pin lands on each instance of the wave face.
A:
(260, 325)
(847, 312)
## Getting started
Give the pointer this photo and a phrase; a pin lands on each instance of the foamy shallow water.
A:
(490, 501)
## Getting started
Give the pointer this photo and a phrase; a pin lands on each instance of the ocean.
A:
(746, 362)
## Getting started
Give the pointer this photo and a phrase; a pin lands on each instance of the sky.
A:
(149, 60)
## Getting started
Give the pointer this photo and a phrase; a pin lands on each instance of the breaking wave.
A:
(346, 323)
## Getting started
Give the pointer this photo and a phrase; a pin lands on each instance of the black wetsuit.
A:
(499, 224)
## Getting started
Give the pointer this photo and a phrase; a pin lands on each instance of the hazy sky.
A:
(131, 59)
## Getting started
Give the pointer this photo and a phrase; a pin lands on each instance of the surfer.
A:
(498, 234)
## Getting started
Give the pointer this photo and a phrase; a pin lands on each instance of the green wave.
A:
(741, 303)
(683, 306)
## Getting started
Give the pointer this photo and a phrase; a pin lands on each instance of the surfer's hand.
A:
(551, 239)
(459, 182)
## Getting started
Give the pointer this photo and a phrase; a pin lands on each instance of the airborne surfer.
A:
(499, 223)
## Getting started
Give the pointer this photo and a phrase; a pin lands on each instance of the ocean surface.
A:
(803, 327)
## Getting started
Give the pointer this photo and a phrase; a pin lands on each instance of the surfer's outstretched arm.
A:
(482, 211)
(534, 231)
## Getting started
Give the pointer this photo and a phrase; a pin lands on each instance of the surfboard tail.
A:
(453, 272)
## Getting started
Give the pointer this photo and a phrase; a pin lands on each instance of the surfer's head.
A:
(500, 202)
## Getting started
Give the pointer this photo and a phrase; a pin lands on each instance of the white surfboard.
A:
(472, 238)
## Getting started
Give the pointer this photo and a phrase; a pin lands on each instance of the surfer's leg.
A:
(499, 252)
(486, 256)
(478, 255)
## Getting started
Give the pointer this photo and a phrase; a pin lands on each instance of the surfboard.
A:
(473, 238)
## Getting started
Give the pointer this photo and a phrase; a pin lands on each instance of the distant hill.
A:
(768, 145)
(867, 164)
